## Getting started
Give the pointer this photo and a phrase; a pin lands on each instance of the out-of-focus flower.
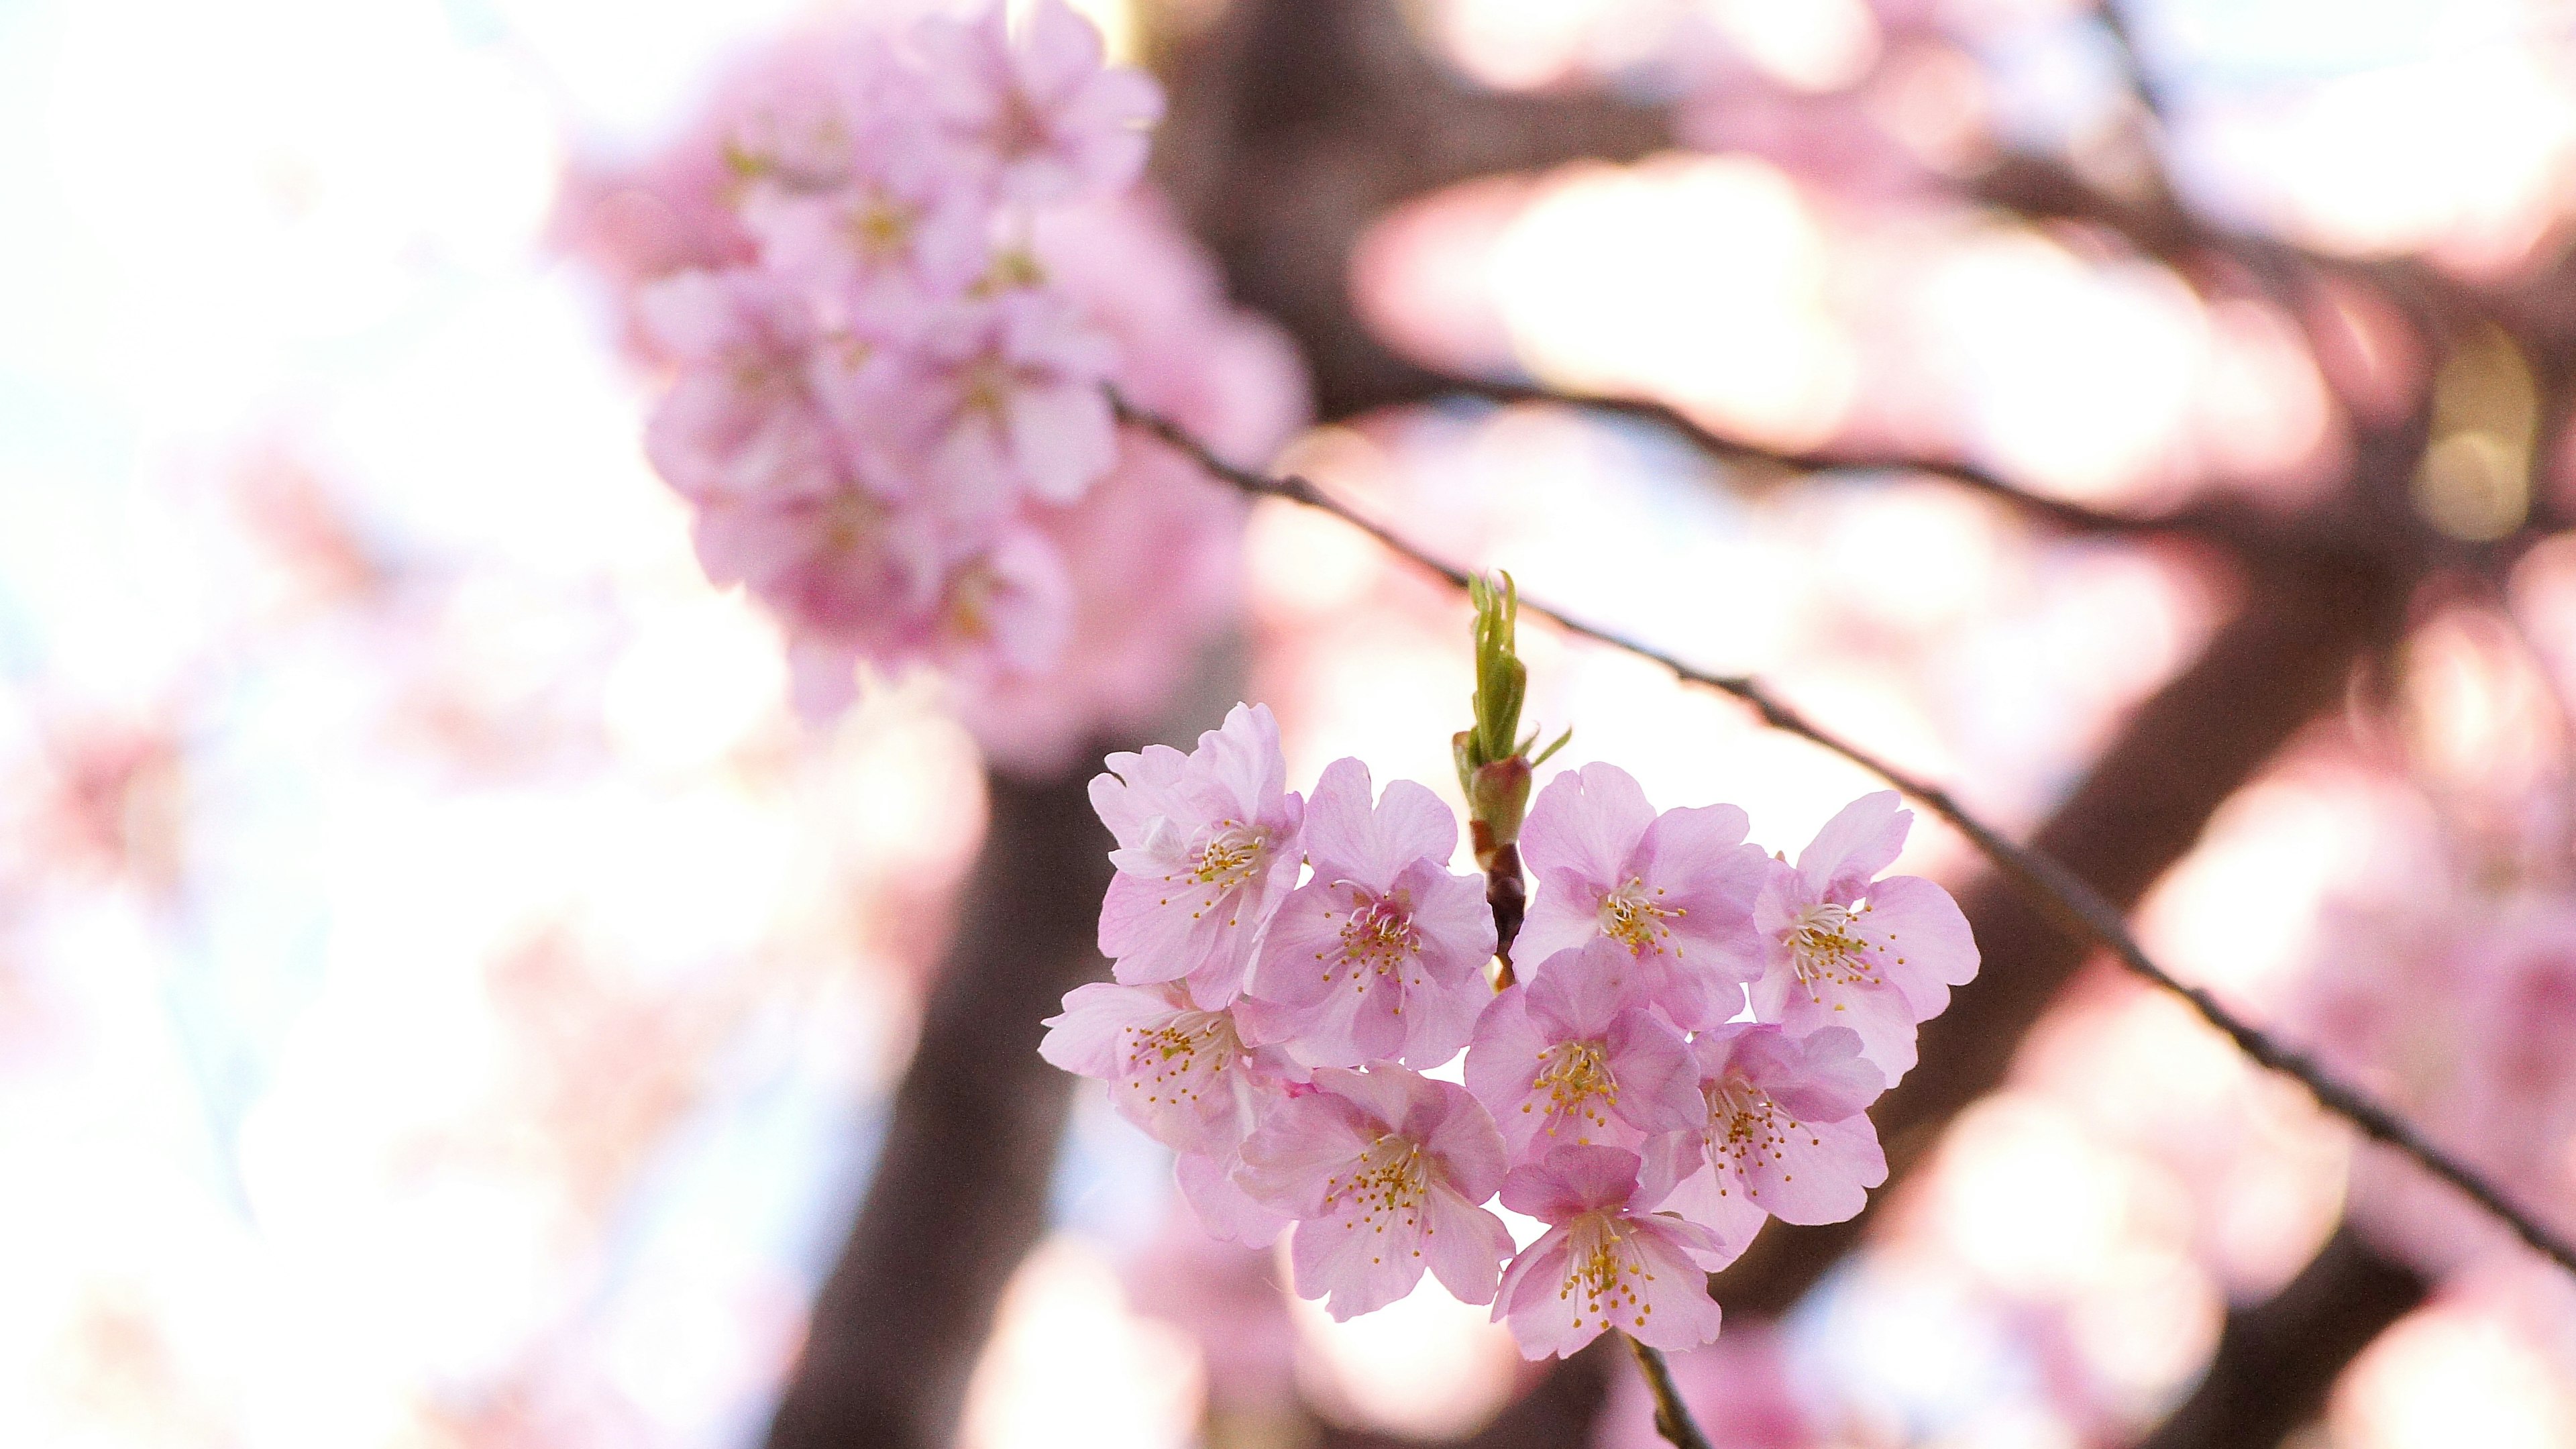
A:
(1601, 1264)
(1576, 1055)
(1008, 397)
(1207, 850)
(1674, 890)
(1381, 956)
(1041, 116)
(1787, 1132)
(1848, 949)
(1383, 1171)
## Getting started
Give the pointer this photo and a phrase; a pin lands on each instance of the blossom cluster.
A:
(1690, 1049)
(890, 283)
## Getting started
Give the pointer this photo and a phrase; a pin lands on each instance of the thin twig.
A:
(2233, 527)
(1672, 1416)
(2051, 887)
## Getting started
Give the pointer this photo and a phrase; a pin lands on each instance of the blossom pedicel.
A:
(1629, 1090)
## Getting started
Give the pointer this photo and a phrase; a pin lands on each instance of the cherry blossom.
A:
(1005, 395)
(746, 415)
(1845, 948)
(1380, 956)
(1786, 1132)
(1603, 1264)
(1383, 1171)
(1207, 850)
(1675, 890)
(1041, 116)
(1180, 1072)
(1575, 1055)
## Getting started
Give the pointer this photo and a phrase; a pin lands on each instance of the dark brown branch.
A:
(2277, 1359)
(958, 1195)
(2043, 881)
(1672, 1416)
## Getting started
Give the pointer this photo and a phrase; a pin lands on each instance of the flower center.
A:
(1634, 916)
(881, 227)
(985, 389)
(1744, 1126)
(1379, 937)
(1229, 857)
(1576, 1080)
(1183, 1058)
(1604, 1273)
(1824, 950)
(1388, 1180)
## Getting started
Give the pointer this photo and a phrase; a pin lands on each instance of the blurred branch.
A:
(2235, 528)
(1295, 124)
(2276, 1360)
(2059, 894)
(958, 1194)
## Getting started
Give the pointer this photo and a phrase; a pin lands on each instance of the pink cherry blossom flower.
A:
(1004, 395)
(1675, 890)
(1043, 116)
(747, 414)
(1602, 1264)
(849, 575)
(1845, 949)
(855, 188)
(1182, 1073)
(1383, 1171)
(1381, 955)
(1575, 1055)
(1207, 849)
(1786, 1132)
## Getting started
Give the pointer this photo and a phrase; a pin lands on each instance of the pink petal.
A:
(1823, 1175)
(1572, 1180)
(1464, 1245)
(1221, 1207)
(1676, 1311)
(1587, 821)
(1861, 840)
(1925, 942)
(1658, 1078)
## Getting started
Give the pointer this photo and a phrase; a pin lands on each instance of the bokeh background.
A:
(448, 1000)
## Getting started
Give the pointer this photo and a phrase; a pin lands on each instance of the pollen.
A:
(1634, 916)
(1826, 949)
(1230, 857)
(1575, 1079)
(1379, 941)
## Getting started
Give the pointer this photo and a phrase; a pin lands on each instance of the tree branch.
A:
(2237, 529)
(1672, 1416)
(2044, 882)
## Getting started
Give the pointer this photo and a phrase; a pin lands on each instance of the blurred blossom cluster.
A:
(889, 274)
